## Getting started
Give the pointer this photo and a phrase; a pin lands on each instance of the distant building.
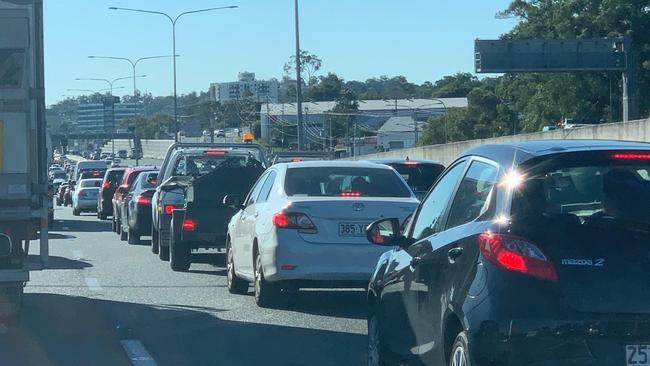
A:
(372, 115)
(398, 133)
(98, 117)
(263, 91)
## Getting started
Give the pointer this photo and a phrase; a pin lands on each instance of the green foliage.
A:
(454, 86)
(154, 127)
(347, 104)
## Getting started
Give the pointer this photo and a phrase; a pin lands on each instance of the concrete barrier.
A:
(638, 130)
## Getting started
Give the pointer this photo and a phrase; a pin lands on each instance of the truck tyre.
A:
(267, 295)
(76, 212)
(235, 284)
(179, 252)
(154, 240)
(123, 233)
(133, 237)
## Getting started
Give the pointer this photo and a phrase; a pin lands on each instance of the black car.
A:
(122, 154)
(418, 174)
(533, 253)
(136, 211)
(112, 179)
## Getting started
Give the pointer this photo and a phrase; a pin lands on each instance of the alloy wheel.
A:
(459, 358)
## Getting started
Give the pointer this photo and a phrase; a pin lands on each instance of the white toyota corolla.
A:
(303, 225)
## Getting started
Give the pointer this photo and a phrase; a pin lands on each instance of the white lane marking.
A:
(93, 284)
(137, 353)
(77, 254)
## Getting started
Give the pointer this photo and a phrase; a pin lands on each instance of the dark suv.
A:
(112, 179)
(533, 253)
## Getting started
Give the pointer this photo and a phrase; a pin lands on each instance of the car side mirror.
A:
(385, 232)
(233, 201)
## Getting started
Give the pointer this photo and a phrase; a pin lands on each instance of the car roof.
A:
(335, 163)
(519, 152)
(141, 168)
(401, 161)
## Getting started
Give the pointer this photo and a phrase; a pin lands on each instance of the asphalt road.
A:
(104, 302)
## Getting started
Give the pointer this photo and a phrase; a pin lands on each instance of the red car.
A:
(122, 190)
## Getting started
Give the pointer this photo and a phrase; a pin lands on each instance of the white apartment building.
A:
(246, 86)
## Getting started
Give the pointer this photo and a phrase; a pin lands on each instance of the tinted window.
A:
(90, 183)
(420, 177)
(584, 191)
(338, 181)
(472, 198)
(114, 176)
(148, 180)
(197, 166)
(252, 198)
(433, 207)
(266, 188)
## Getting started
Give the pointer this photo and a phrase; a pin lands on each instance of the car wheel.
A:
(163, 253)
(154, 240)
(133, 237)
(76, 212)
(113, 224)
(266, 294)
(123, 233)
(98, 217)
(179, 252)
(235, 284)
(374, 342)
(102, 216)
(460, 351)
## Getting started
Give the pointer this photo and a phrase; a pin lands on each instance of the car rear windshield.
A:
(95, 173)
(419, 176)
(86, 183)
(115, 176)
(200, 165)
(342, 181)
(149, 180)
(582, 188)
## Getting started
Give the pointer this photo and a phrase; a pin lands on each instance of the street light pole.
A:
(173, 23)
(298, 79)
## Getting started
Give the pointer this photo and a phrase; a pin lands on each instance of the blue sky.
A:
(357, 39)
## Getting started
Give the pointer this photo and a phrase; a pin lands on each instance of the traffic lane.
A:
(182, 318)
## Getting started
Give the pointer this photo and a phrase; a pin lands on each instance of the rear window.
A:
(200, 165)
(342, 181)
(149, 180)
(92, 173)
(584, 189)
(420, 177)
(90, 183)
(115, 176)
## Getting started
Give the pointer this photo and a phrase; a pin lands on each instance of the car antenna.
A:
(407, 158)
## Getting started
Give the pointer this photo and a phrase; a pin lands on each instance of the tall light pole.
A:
(133, 63)
(110, 85)
(298, 78)
(173, 22)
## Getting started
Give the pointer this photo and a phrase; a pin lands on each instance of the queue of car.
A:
(514, 246)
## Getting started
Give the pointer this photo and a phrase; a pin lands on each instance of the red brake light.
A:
(169, 209)
(215, 152)
(631, 156)
(350, 194)
(96, 174)
(296, 160)
(292, 220)
(105, 184)
(143, 200)
(516, 254)
(410, 163)
(189, 225)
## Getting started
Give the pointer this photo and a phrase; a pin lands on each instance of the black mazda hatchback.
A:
(532, 253)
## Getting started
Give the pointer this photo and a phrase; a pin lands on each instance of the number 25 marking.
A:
(600, 262)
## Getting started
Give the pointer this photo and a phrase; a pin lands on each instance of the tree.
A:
(346, 106)
(454, 86)
(309, 63)
(328, 88)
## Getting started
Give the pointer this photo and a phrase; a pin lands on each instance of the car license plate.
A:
(352, 229)
(637, 354)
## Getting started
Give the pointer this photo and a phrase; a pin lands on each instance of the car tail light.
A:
(631, 156)
(292, 220)
(516, 254)
(189, 225)
(106, 184)
(170, 208)
(410, 163)
(143, 200)
(296, 160)
(350, 194)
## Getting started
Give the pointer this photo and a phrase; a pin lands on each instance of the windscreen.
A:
(115, 176)
(420, 177)
(610, 187)
(86, 183)
(344, 181)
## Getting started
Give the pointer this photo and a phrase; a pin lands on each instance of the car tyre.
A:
(459, 355)
(123, 233)
(154, 240)
(235, 284)
(375, 354)
(102, 216)
(163, 253)
(76, 212)
(179, 253)
(113, 224)
(133, 237)
(267, 295)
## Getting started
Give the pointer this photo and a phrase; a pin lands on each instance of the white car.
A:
(303, 225)
(84, 197)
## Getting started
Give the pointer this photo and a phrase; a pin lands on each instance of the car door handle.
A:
(454, 253)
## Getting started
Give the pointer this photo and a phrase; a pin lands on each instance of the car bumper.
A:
(593, 341)
(288, 257)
